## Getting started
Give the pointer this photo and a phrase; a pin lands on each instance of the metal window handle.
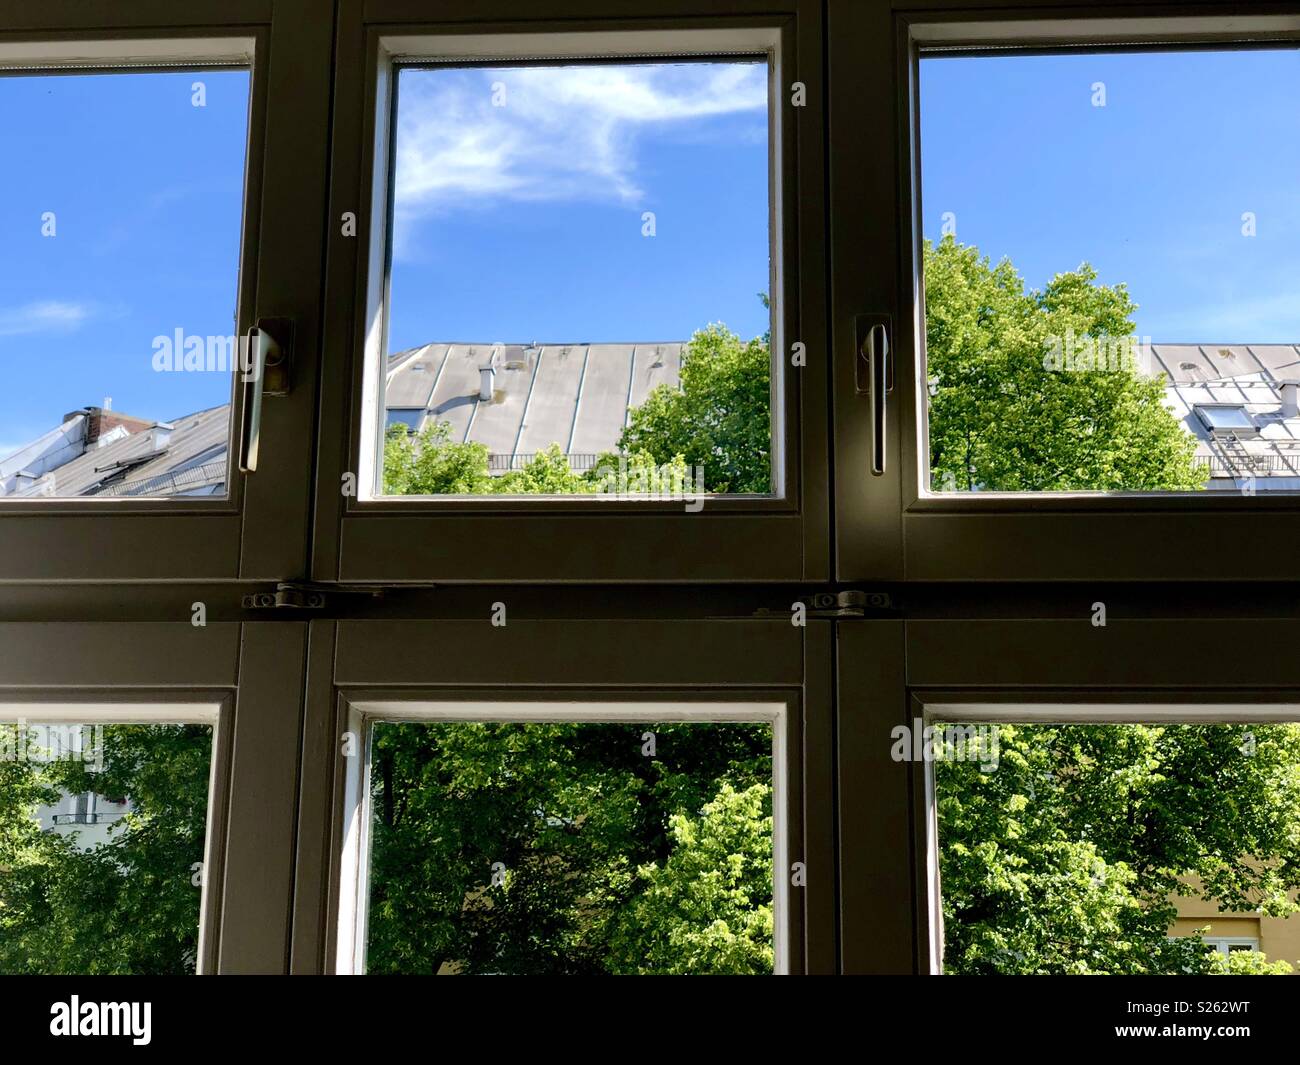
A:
(265, 365)
(875, 377)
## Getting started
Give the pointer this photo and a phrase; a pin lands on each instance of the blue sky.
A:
(1150, 189)
(147, 194)
(523, 221)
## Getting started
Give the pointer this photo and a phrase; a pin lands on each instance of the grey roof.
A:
(192, 461)
(576, 395)
(579, 395)
(1248, 376)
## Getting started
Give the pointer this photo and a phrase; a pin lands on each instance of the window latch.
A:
(874, 377)
(267, 364)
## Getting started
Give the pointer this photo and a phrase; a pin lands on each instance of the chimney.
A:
(1290, 406)
(486, 375)
(161, 435)
(99, 420)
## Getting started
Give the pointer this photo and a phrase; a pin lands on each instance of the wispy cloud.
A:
(46, 316)
(563, 132)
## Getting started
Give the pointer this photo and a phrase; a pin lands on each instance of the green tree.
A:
(1003, 419)
(129, 905)
(576, 822)
(708, 907)
(719, 420)
(431, 463)
(1066, 857)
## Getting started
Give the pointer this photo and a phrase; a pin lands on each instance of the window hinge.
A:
(303, 595)
(288, 595)
(848, 604)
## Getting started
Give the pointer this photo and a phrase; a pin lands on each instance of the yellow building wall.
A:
(1279, 937)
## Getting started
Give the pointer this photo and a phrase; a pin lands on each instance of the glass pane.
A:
(1118, 848)
(1110, 251)
(117, 315)
(570, 848)
(102, 832)
(579, 281)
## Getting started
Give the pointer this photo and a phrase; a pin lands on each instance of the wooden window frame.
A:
(259, 529)
(249, 676)
(358, 666)
(887, 527)
(424, 539)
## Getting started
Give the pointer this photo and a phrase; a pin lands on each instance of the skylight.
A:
(1225, 418)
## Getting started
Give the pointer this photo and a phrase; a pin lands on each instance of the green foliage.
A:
(1247, 963)
(1065, 858)
(719, 420)
(431, 463)
(127, 906)
(546, 473)
(708, 908)
(576, 821)
(1001, 420)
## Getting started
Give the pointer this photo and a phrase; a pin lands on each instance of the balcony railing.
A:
(86, 819)
(579, 461)
(1270, 465)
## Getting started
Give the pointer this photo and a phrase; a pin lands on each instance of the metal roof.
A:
(576, 395)
(1247, 376)
(187, 459)
(579, 395)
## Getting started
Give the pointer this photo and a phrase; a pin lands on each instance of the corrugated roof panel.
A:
(1185, 363)
(655, 365)
(457, 393)
(496, 423)
(412, 384)
(190, 437)
(1281, 360)
(554, 399)
(603, 406)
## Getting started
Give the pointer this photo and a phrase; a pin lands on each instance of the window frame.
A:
(893, 673)
(169, 708)
(1003, 536)
(422, 538)
(358, 665)
(1171, 709)
(253, 672)
(363, 714)
(258, 528)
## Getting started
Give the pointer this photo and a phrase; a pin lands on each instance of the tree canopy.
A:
(1010, 413)
(1067, 857)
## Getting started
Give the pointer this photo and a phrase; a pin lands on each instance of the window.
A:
(604, 838)
(1072, 844)
(1069, 296)
(121, 281)
(1224, 419)
(105, 835)
(591, 256)
(133, 282)
(1226, 945)
(1076, 315)
(579, 278)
